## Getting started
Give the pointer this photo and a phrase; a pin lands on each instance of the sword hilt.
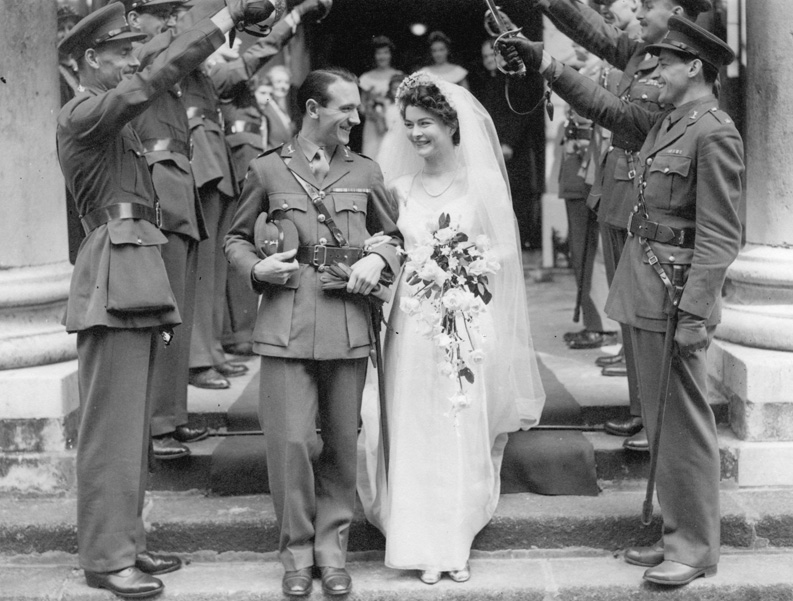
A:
(521, 66)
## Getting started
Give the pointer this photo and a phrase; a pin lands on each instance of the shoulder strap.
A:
(316, 197)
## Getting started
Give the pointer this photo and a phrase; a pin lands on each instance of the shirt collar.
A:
(309, 148)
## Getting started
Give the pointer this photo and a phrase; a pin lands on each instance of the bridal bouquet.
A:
(450, 274)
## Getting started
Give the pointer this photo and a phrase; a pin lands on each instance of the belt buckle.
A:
(316, 261)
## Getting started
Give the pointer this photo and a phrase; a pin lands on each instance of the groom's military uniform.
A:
(314, 344)
(689, 185)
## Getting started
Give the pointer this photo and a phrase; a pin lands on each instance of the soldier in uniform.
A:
(612, 191)
(314, 344)
(165, 136)
(120, 298)
(684, 221)
(243, 122)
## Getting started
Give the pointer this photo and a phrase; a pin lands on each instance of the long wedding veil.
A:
(513, 372)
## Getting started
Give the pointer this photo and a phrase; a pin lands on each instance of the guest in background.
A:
(440, 67)
(374, 85)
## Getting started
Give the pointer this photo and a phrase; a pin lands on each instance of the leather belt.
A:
(320, 255)
(121, 210)
(197, 111)
(238, 127)
(171, 144)
(650, 230)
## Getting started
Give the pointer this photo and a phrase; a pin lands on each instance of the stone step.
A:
(612, 461)
(574, 574)
(191, 521)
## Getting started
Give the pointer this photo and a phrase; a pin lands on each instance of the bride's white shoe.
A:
(430, 576)
(461, 575)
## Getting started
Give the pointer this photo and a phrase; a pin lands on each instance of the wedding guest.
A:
(374, 85)
(440, 49)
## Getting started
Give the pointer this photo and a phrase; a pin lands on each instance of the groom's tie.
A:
(319, 165)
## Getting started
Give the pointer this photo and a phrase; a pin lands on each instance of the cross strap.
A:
(325, 217)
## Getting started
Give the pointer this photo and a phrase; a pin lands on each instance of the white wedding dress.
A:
(443, 473)
(443, 476)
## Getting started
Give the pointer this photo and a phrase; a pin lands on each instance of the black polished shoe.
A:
(157, 563)
(167, 447)
(615, 370)
(593, 340)
(129, 583)
(187, 434)
(242, 349)
(231, 370)
(335, 581)
(607, 360)
(673, 573)
(297, 583)
(637, 442)
(626, 427)
(207, 377)
(647, 557)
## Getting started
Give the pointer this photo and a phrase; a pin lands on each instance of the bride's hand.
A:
(365, 274)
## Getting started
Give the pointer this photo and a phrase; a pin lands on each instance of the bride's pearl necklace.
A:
(449, 185)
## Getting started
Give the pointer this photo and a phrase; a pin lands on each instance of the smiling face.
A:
(654, 16)
(440, 52)
(110, 63)
(263, 93)
(429, 135)
(382, 57)
(675, 72)
(339, 116)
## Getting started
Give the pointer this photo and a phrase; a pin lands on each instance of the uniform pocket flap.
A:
(671, 164)
(349, 201)
(135, 231)
(286, 201)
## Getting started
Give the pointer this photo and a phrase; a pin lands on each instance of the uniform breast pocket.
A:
(289, 205)
(667, 179)
(350, 208)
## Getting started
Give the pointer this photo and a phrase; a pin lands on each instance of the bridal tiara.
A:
(422, 78)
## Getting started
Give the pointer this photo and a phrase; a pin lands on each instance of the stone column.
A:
(38, 401)
(752, 362)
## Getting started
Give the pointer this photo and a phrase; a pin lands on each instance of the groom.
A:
(314, 344)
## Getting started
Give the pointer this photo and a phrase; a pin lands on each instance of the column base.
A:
(39, 420)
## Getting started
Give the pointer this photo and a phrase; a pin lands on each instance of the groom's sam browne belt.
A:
(121, 210)
(658, 232)
(320, 255)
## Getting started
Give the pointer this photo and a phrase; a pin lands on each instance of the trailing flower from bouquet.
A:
(449, 273)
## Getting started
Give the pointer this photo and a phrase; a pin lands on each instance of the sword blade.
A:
(496, 15)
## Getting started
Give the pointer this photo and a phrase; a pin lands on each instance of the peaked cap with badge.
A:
(107, 24)
(686, 37)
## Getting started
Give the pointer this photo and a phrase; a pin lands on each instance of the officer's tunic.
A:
(119, 296)
(165, 136)
(313, 345)
(612, 194)
(691, 169)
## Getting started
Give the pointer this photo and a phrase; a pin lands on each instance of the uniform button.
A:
(323, 241)
(140, 241)
(321, 218)
(285, 206)
(649, 161)
(321, 194)
(666, 169)
(355, 206)
(671, 257)
(644, 96)
(644, 184)
(635, 208)
(611, 148)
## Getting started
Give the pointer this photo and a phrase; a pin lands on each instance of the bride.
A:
(443, 485)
